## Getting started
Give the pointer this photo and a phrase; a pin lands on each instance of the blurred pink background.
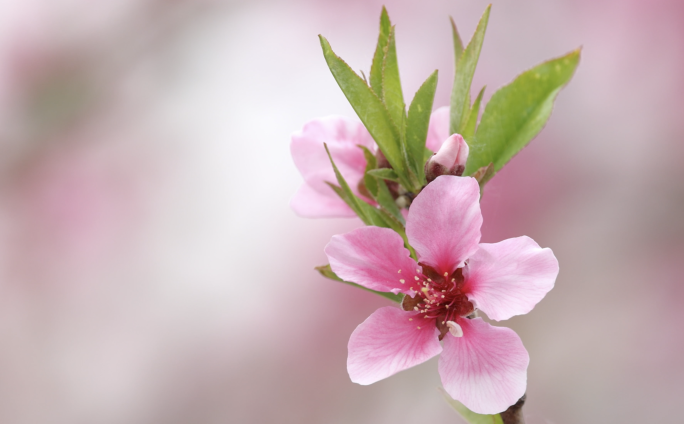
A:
(151, 270)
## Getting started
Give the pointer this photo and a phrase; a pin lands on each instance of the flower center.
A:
(440, 297)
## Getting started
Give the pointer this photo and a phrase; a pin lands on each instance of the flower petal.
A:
(438, 129)
(510, 277)
(373, 257)
(310, 203)
(486, 369)
(389, 341)
(444, 222)
(342, 135)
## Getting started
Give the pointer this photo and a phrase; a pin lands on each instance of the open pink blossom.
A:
(315, 199)
(483, 366)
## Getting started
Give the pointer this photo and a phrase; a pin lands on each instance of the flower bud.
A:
(450, 159)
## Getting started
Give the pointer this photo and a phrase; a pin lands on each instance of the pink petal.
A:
(510, 277)
(342, 136)
(373, 257)
(486, 369)
(310, 203)
(438, 129)
(389, 341)
(444, 222)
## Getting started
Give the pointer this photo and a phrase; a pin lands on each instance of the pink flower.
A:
(483, 366)
(315, 199)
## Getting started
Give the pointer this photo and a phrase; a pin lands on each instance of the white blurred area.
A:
(152, 272)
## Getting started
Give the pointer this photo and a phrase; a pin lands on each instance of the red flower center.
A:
(440, 297)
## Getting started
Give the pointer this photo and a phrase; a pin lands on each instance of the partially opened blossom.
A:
(450, 159)
(483, 366)
(315, 199)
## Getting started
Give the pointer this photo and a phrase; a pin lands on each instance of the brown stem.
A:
(514, 415)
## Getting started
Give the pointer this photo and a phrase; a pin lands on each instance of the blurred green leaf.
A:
(518, 111)
(378, 189)
(380, 51)
(360, 207)
(465, 69)
(370, 110)
(385, 174)
(417, 125)
(327, 272)
(468, 415)
(468, 130)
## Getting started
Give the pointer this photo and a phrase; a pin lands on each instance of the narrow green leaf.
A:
(460, 103)
(392, 95)
(370, 181)
(379, 56)
(518, 111)
(346, 194)
(370, 110)
(385, 174)
(417, 125)
(378, 189)
(458, 43)
(327, 272)
(468, 130)
(468, 415)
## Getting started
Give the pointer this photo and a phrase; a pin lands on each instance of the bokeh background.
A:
(151, 270)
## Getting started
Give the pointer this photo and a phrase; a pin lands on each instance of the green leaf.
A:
(392, 95)
(370, 110)
(385, 174)
(458, 43)
(460, 94)
(378, 189)
(468, 130)
(518, 111)
(366, 212)
(468, 415)
(327, 272)
(379, 56)
(417, 125)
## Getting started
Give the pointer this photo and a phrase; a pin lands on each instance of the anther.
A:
(446, 274)
(418, 328)
(402, 281)
(399, 271)
(416, 278)
(411, 319)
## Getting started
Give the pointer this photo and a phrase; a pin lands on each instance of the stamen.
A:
(446, 274)
(402, 281)
(455, 329)
(417, 279)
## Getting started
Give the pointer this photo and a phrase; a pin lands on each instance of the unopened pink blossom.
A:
(483, 366)
(450, 159)
(315, 199)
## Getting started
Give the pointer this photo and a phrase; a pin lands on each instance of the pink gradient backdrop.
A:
(152, 272)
